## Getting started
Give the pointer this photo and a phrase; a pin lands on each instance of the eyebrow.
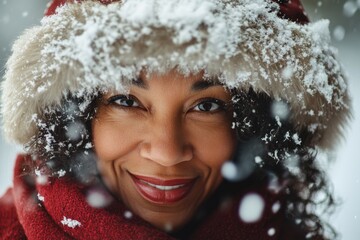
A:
(204, 84)
(138, 82)
(197, 86)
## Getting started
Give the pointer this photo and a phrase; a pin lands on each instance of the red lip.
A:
(172, 190)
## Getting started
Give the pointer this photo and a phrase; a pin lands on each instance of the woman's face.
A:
(160, 148)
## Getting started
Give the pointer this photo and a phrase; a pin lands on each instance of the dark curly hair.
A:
(64, 142)
(283, 149)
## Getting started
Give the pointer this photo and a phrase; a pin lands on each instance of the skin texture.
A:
(168, 127)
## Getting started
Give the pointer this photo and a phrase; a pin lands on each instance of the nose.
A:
(166, 142)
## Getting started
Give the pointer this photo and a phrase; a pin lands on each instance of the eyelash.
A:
(113, 100)
(221, 105)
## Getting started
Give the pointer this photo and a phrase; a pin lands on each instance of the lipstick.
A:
(161, 191)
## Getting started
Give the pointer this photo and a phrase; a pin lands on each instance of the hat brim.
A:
(87, 47)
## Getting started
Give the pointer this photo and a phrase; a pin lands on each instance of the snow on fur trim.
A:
(87, 47)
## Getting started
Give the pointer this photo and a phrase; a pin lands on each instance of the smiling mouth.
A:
(162, 191)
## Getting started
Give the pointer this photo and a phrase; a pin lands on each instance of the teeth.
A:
(164, 188)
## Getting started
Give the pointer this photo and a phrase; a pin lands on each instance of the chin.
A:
(168, 222)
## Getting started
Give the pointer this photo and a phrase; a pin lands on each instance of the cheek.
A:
(113, 142)
(105, 140)
(214, 146)
(112, 139)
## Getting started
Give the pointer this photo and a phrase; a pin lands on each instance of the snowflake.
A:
(41, 198)
(70, 222)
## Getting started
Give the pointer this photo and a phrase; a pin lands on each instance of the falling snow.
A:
(229, 170)
(88, 46)
(280, 110)
(75, 130)
(42, 179)
(339, 33)
(98, 198)
(128, 214)
(5, 19)
(258, 160)
(350, 8)
(251, 208)
(274, 185)
(292, 162)
(271, 232)
(276, 207)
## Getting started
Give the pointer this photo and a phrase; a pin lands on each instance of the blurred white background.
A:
(17, 15)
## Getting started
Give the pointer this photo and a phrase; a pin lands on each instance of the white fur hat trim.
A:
(89, 47)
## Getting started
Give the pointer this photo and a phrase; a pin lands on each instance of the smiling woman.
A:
(158, 149)
(149, 119)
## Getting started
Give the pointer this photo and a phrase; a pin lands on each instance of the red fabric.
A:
(53, 6)
(10, 227)
(57, 3)
(22, 213)
(291, 9)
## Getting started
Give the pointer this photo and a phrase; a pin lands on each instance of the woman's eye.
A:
(124, 101)
(211, 105)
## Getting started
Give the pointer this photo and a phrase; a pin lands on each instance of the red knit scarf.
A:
(59, 210)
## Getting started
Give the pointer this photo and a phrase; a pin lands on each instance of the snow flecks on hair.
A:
(75, 131)
(243, 163)
(63, 144)
(83, 166)
(274, 184)
(89, 47)
(60, 173)
(292, 162)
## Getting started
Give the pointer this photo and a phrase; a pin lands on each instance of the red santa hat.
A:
(289, 9)
(53, 5)
(87, 46)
